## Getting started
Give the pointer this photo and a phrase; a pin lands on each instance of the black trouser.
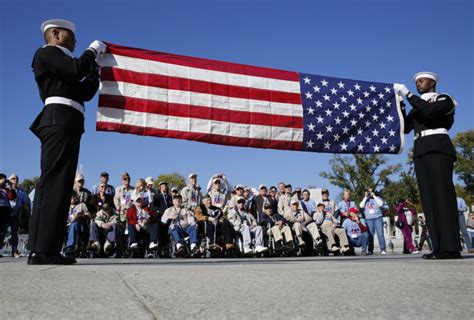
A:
(434, 173)
(59, 156)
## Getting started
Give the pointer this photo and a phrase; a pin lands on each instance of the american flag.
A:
(166, 95)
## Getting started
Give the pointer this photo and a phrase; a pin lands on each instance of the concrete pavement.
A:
(392, 287)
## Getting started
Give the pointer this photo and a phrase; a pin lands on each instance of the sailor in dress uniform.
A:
(431, 116)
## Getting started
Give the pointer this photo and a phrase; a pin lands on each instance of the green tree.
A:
(357, 172)
(173, 179)
(464, 166)
(29, 184)
(406, 187)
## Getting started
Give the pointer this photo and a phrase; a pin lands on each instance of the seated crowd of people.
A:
(220, 221)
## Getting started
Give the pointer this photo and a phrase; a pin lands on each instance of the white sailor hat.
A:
(58, 23)
(426, 74)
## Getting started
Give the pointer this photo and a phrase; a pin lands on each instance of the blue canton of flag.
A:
(350, 116)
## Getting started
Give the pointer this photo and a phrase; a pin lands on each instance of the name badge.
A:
(371, 211)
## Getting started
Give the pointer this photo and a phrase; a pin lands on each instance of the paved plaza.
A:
(394, 286)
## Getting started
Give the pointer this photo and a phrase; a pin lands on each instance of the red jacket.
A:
(132, 217)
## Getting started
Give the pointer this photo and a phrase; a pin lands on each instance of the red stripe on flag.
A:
(202, 137)
(198, 86)
(202, 63)
(191, 111)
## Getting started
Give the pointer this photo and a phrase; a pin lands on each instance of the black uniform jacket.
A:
(436, 113)
(60, 75)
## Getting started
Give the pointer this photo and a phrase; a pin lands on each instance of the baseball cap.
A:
(149, 180)
(79, 177)
(353, 210)
(104, 174)
(192, 175)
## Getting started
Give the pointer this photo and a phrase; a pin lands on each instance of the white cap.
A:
(262, 186)
(239, 186)
(149, 180)
(12, 176)
(79, 177)
(192, 175)
(58, 23)
(426, 74)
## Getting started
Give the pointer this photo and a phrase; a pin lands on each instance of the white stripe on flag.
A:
(118, 88)
(167, 69)
(149, 120)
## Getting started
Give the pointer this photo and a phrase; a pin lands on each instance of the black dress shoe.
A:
(442, 255)
(55, 259)
(445, 255)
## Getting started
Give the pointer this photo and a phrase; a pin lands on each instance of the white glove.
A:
(98, 46)
(400, 89)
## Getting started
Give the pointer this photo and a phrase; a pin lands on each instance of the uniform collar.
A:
(428, 95)
(63, 49)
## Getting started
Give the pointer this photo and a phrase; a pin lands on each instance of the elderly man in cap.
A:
(329, 205)
(104, 178)
(181, 223)
(284, 202)
(259, 201)
(329, 226)
(246, 224)
(275, 225)
(218, 198)
(64, 83)
(105, 223)
(431, 116)
(141, 220)
(356, 230)
(123, 196)
(191, 194)
(162, 200)
(84, 194)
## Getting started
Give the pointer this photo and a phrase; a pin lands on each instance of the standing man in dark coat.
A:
(64, 83)
(434, 155)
